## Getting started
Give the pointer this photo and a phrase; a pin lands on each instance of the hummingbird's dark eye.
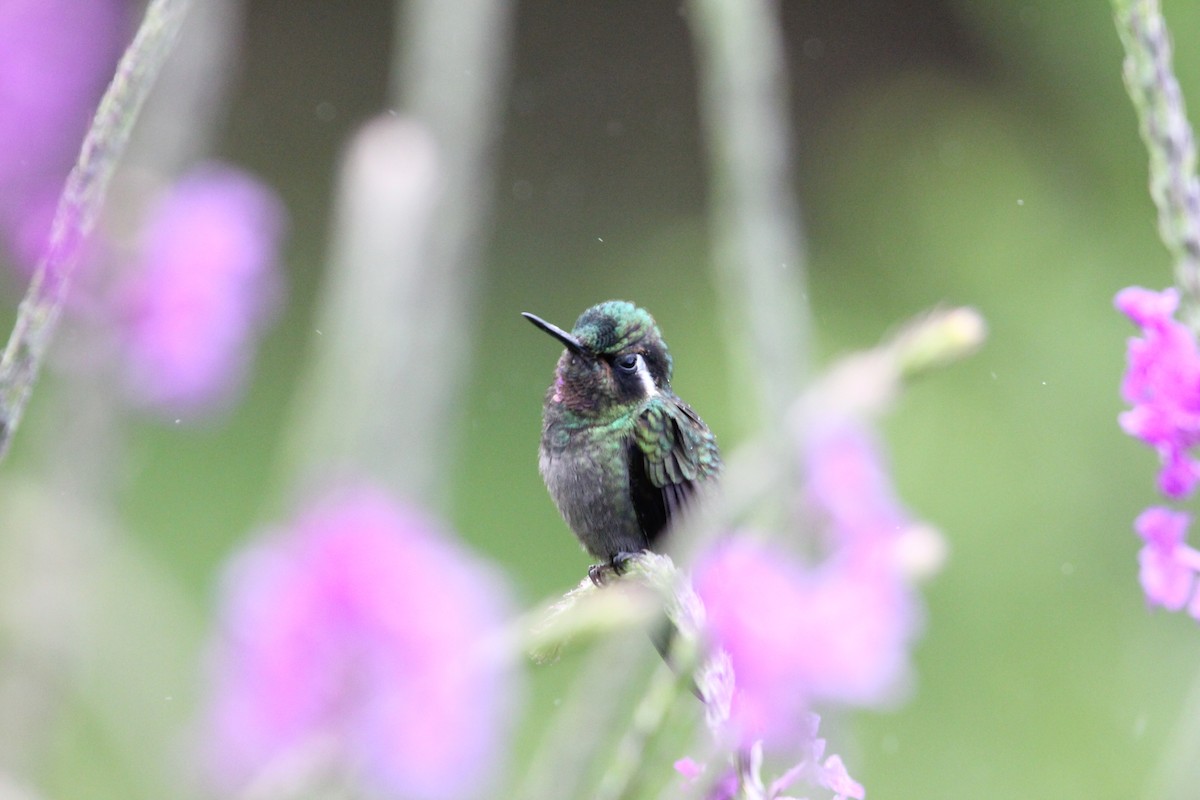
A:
(627, 362)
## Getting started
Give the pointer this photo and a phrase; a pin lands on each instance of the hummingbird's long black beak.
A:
(570, 341)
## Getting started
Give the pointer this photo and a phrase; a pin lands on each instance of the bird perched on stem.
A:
(621, 454)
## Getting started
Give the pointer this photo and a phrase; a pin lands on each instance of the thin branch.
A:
(382, 395)
(79, 206)
(1155, 92)
(759, 248)
(620, 780)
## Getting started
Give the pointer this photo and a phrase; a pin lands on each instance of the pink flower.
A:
(1168, 566)
(202, 292)
(839, 630)
(362, 624)
(689, 768)
(829, 774)
(754, 609)
(745, 779)
(55, 58)
(833, 775)
(796, 635)
(849, 486)
(1162, 383)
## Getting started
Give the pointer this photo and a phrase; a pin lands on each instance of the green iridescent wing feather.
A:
(671, 453)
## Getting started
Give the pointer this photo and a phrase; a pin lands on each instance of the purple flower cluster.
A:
(814, 768)
(837, 631)
(1162, 384)
(55, 58)
(204, 284)
(363, 626)
(786, 634)
(799, 635)
(1167, 565)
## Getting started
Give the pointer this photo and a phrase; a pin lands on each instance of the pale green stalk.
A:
(357, 412)
(1158, 100)
(79, 206)
(665, 689)
(450, 73)
(394, 328)
(1177, 773)
(753, 210)
(585, 720)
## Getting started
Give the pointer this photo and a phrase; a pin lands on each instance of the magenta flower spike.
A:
(1162, 384)
(1167, 565)
(202, 291)
(363, 626)
(55, 58)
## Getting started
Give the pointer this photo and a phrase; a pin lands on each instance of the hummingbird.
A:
(621, 454)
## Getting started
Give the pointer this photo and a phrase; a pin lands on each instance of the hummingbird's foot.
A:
(620, 562)
(599, 574)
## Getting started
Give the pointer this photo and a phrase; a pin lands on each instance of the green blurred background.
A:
(979, 153)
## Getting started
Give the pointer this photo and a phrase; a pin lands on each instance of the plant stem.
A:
(1158, 100)
(1177, 772)
(664, 690)
(79, 206)
(585, 720)
(759, 249)
(381, 397)
(449, 73)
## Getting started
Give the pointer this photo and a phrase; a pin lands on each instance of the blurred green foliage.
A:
(978, 153)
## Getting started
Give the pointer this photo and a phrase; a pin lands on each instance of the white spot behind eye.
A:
(643, 371)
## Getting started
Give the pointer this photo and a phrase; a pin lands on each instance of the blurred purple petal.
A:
(839, 630)
(689, 768)
(849, 486)
(203, 290)
(796, 635)
(364, 624)
(56, 56)
(754, 603)
(1166, 577)
(745, 778)
(833, 776)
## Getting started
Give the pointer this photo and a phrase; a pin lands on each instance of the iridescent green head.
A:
(615, 357)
